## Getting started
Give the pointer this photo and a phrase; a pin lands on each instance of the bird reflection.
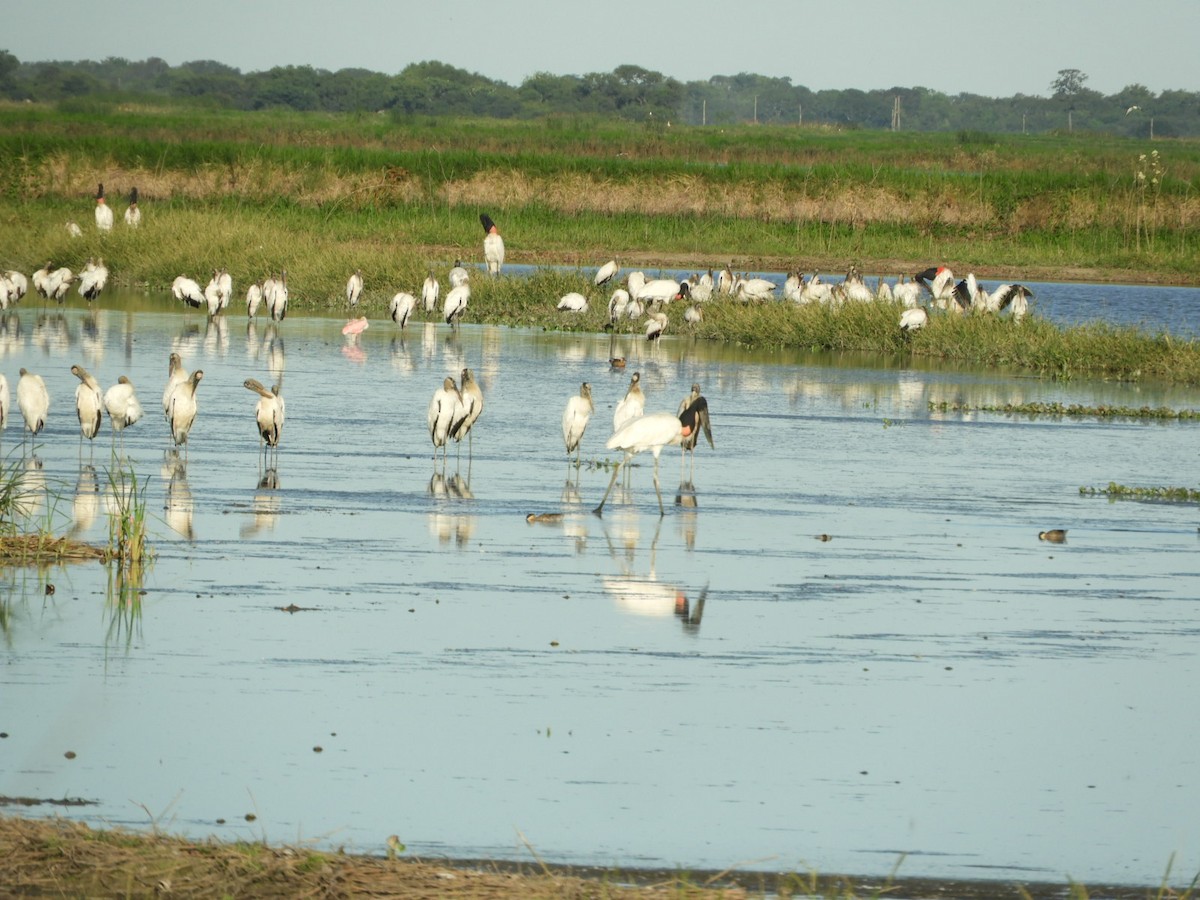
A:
(10, 333)
(51, 334)
(645, 595)
(85, 506)
(685, 499)
(265, 506)
(402, 360)
(216, 336)
(30, 497)
(178, 505)
(445, 524)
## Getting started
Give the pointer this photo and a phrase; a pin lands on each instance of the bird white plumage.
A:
(188, 290)
(354, 288)
(430, 290)
(444, 409)
(104, 213)
(575, 419)
(573, 302)
(121, 404)
(89, 403)
(493, 245)
(401, 306)
(456, 303)
(182, 409)
(268, 412)
(33, 400)
(606, 272)
(632, 405)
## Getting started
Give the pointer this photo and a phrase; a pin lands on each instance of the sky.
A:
(997, 48)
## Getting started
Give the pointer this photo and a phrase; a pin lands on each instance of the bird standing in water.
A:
(688, 444)
(444, 410)
(268, 413)
(89, 404)
(181, 412)
(632, 405)
(472, 400)
(121, 404)
(575, 420)
(651, 432)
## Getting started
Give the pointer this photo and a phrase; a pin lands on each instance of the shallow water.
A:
(716, 687)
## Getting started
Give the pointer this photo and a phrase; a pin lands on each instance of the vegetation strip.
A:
(1116, 491)
(1075, 410)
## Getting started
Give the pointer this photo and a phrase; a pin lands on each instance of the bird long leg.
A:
(599, 510)
(661, 512)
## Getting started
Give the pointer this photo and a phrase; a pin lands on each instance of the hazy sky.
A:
(995, 48)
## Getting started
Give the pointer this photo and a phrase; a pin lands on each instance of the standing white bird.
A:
(121, 404)
(575, 420)
(458, 274)
(33, 400)
(401, 308)
(354, 287)
(941, 287)
(254, 299)
(456, 303)
(278, 301)
(617, 304)
(656, 324)
(268, 412)
(182, 410)
(651, 432)
(188, 290)
(661, 290)
(92, 280)
(632, 405)
(59, 283)
(430, 290)
(176, 375)
(133, 213)
(444, 410)
(20, 284)
(104, 215)
(472, 401)
(606, 272)
(89, 404)
(573, 302)
(493, 245)
(41, 279)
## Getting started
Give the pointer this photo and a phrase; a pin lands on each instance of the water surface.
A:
(716, 687)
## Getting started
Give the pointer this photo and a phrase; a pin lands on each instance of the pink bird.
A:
(356, 326)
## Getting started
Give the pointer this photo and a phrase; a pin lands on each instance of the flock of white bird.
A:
(455, 407)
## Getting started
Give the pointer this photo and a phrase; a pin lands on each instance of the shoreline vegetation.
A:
(61, 858)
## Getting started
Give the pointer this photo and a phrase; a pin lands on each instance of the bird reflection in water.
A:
(85, 505)
(685, 499)
(29, 499)
(265, 506)
(178, 505)
(445, 524)
(645, 595)
(216, 336)
(10, 333)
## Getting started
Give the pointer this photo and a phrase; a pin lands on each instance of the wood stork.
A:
(651, 432)
(906, 292)
(755, 289)
(445, 409)
(41, 279)
(59, 283)
(913, 319)
(493, 245)
(429, 292)
(74, 230)
(188, 290)
(456, 303)
(92, 280)
(725, 280)
(121, 404)
(278, 300)
(354, 287)
(575, 420)
(616, 305)
(689, 441)
(176, 375)
(1005, 296)
(401, 307)
(458, 274)
(254, 299)
(656, 324)
(573, 302)
(182, 410)
(632, 405)
(133, 213)
(606, 273)
(89, 404)
(20, 285)
(659, 290)
(693, 315)
(268, 412)
(225, 287)
(33, 400)
(472, 401)
(104, 214)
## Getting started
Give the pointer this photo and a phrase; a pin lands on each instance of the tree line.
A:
(629, 92)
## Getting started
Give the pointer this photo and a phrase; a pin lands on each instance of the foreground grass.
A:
(66, 859)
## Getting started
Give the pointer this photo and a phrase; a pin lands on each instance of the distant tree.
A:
(8, 70)
(1068, 83)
